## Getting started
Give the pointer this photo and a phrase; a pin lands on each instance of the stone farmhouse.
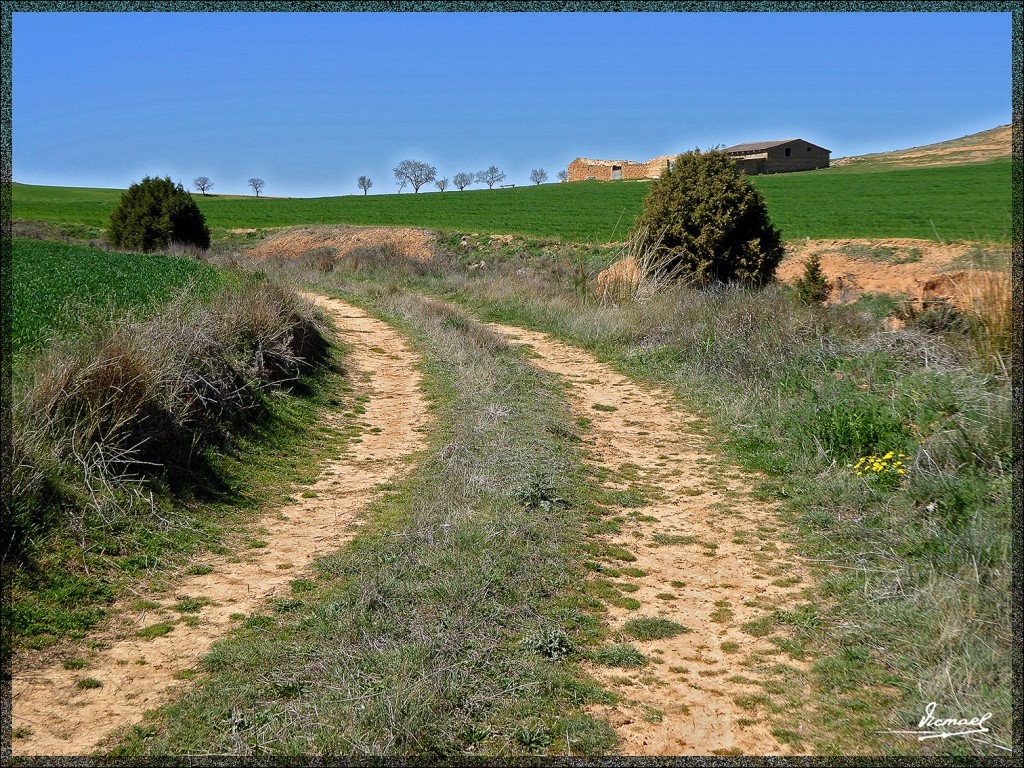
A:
(753, 158)
(778, 156)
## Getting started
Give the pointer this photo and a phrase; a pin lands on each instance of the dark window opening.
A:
(787, 151)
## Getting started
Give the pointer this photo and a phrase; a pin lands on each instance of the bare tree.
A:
(463, 180)
(415, 172)
(257, 185)
(203, 184)
(563, 175)
(364, 183)
(401, 184)
(538, 175)
(441, 184)
(491, 176)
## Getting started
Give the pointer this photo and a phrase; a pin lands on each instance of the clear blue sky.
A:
(309, 102)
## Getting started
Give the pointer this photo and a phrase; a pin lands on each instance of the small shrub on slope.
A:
(813, 286)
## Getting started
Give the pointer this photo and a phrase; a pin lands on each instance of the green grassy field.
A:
(965, 202)
(54, 284)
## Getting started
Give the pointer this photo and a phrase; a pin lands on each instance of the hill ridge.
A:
(972, 148)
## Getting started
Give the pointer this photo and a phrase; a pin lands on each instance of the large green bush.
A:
(153, 213)
(704, 221)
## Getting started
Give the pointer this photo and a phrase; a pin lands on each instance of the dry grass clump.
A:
(989, 300)
(140, 398)
(322, 259)
(644, 269)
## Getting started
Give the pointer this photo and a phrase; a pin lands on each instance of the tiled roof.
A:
(756, 146)
(760, 146)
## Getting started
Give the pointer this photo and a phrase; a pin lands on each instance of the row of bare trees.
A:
(416, 173)
(204, 185)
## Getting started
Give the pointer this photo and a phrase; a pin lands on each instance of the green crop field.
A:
(56, 287)
(957, 202)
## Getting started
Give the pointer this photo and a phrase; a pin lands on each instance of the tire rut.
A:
(138, 674)
(711, 558)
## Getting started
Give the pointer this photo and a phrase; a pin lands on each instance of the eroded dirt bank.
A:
(712, 561)
(916, 271)
(295, 242)
(136, 673)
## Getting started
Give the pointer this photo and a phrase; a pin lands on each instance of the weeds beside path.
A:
(163, 636)
(701, 562)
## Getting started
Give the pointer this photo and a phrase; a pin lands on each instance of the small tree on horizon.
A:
(257, 185)
(415, 172)
(364, 183)
(203, 184)
(463, 180)
(563, 175)
(441, 184)
(491, 176)
(401, 184)
(538, 175)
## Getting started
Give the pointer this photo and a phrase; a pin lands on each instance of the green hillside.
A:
(959, 202)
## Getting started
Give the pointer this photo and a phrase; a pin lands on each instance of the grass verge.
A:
(149, 441)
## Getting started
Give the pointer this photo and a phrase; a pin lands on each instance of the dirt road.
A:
(708, 556)
(135, 673)
(712, 562)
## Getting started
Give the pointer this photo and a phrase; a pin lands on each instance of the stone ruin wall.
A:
(583, 168)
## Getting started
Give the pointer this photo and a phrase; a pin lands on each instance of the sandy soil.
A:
(293, 242)
(920, 270)
(139, 674)
(718, 577)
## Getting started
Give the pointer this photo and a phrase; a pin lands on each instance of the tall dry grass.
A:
(94, 418)
(989, 302)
